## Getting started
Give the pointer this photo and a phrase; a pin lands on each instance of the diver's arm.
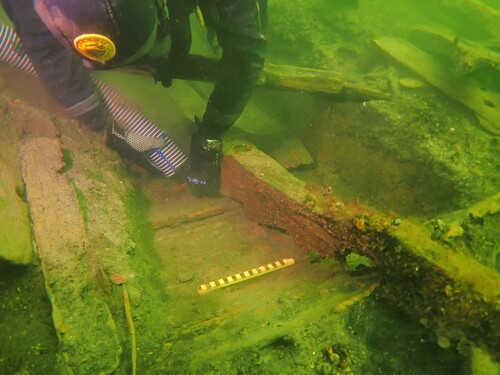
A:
(180, 41)
(180, 29)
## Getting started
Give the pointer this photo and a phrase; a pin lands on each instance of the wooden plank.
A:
(246, 316)
(484, 15)
(163, 221)
(283, 77)
(484, 103)
(85, 327)
(15, 231)
(285, 148)
(467, 56)
(315, 81)
(420, 275)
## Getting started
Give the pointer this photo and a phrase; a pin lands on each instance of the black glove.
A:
(97, 119)
(162, 71)
(205, 156)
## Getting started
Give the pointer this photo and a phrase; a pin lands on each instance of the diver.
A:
(62, 40)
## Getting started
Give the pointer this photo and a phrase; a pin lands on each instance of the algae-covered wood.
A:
(316, 81)
(452, 292)
(467, 56)
(486, 16)
(86, 330)
(244, 317)
(483, 102)
(15, 236)
(455, 294)
(283, 77)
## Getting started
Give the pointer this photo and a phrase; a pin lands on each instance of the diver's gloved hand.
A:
(205, 156)
(164, 71)
(97, 119)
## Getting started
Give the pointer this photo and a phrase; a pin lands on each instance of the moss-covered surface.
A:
(303, 319)
(14, 217)
(67, 260)
(450, 291)
(418, 154)
(29, 342)
(295, 320)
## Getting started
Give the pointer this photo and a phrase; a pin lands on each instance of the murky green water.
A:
(428, 151)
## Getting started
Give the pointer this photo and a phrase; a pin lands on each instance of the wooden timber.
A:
(315, 81)
(485, 16)
(15, 236)
(450, 291)
(466, 55)
(484, 103)
(88, 339)
(282, 77)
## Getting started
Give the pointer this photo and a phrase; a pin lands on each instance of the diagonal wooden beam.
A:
(453, 293)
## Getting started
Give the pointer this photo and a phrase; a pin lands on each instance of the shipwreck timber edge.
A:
(15, 238)
(455, 295)
(62, 246)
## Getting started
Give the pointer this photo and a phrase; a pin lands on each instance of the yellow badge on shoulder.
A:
(95, 47)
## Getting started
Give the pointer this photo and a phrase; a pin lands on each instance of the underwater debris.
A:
(315, 257)
(101, 278)
(309, 200)
(188, 217)
(411, 264)
(356, 263)
(120, 280)
(396, 221)
(360, 223)
(443, 342)
(411, 83)
(439, 229)
(358, 297)
(337, 355)
(454, 230)
(478, 99)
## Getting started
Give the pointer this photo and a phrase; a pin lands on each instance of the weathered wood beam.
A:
(315, 81)
(452, 293)
(282, 77)
(88, 338)
(15, 228)
(476, 10)
(484, 103)
(466, 55)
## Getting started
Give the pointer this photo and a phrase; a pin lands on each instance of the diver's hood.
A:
(110, 32)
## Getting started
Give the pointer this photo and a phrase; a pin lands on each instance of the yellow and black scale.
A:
(254, 272)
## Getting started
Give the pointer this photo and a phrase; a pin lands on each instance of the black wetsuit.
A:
(238, 24)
